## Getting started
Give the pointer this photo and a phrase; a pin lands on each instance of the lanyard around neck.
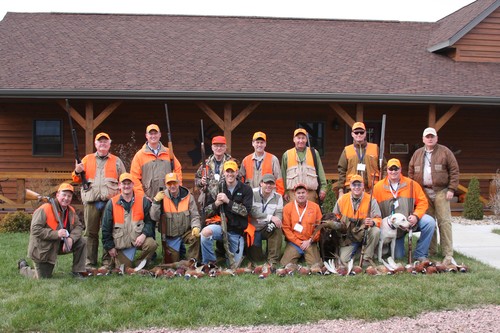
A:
(303, 212)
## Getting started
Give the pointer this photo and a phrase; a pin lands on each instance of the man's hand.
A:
(195, 232)
(113, 253)
(413, 220)
(139, 240)
(369, 222)
(341, 192)
(222, 197)
(305, 244)
(78, 167)
(276, 221)
(159, 196)
(69, 241)
(449, 195)
(322, 195)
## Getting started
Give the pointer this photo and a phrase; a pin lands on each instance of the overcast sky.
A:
(400, 10)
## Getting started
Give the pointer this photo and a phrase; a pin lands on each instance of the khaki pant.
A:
(348, 252)
(274, 243)
(193, 247)
(45, 269)
(147, 251)
(439, 208)
(291, 255)
(92, 217)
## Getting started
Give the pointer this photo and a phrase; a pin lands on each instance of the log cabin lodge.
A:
(242, 75)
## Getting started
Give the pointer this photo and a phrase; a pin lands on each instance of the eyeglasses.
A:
(356, 184)
(359, 133)
(393, 169)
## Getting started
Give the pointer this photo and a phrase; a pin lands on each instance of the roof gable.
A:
(454, 26)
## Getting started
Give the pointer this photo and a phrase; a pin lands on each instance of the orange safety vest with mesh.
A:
(136, 209)
(51, 218)
(347, 210)
(370, 162)
(292, 158)
(169, 206)
(266, 167)
(109, 169)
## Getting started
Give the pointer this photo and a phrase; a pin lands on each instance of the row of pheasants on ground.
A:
(191, 269)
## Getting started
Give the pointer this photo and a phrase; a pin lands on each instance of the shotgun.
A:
(204, 173)
(59, 221)
(223, 224)
(170, 146)
(85, 183)
(381, 147)
(365, 234)
(167, 254)
(410, 232)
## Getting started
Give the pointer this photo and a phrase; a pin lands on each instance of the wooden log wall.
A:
(482, 43)
(471, 132)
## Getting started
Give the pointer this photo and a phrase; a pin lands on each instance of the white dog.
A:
(388, 232)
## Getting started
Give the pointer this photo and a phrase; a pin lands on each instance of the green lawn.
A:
(64, 304)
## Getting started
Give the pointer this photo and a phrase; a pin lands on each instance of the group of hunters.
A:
(239, 206)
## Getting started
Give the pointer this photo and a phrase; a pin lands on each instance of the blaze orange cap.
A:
(356, 178)
(152, 127)
(299, 131)
(219, 140)
(299, 185)
(230, 165)
(393, 162)
(66, 187)
(171, 177)
(358, 125)
(102, 134)
(126, 176)
(259, 135)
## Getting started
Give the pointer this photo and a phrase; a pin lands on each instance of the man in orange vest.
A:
(179, 218)
(300, 218)
(360, 158)
(55, 229)
(127, 225)
(102, 170)
(260, 163)
(300, 166)
(355, 213)
(152, 162)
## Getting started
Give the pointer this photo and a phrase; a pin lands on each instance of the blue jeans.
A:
(426, 226)
(236, 244)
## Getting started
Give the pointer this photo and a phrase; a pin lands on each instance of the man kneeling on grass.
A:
(55, 229)
(127, 226)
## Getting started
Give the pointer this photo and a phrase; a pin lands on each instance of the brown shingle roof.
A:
(457, 24)
(192, 54)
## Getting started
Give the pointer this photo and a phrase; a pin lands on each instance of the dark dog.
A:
(329, 240)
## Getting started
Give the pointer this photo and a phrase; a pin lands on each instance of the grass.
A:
(496, 231)
(112, 303)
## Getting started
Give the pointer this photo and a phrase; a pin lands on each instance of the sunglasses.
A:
(359, 133)
(393, 169)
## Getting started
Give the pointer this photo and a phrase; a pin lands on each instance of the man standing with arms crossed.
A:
(102, 170)
(260, 163)
(435, 168)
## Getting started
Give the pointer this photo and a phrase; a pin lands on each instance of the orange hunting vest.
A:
(109, 169)
(266, 167)
(353, 160)
(51, 218)
(169, 206)
(137, 209)
(292, 158)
